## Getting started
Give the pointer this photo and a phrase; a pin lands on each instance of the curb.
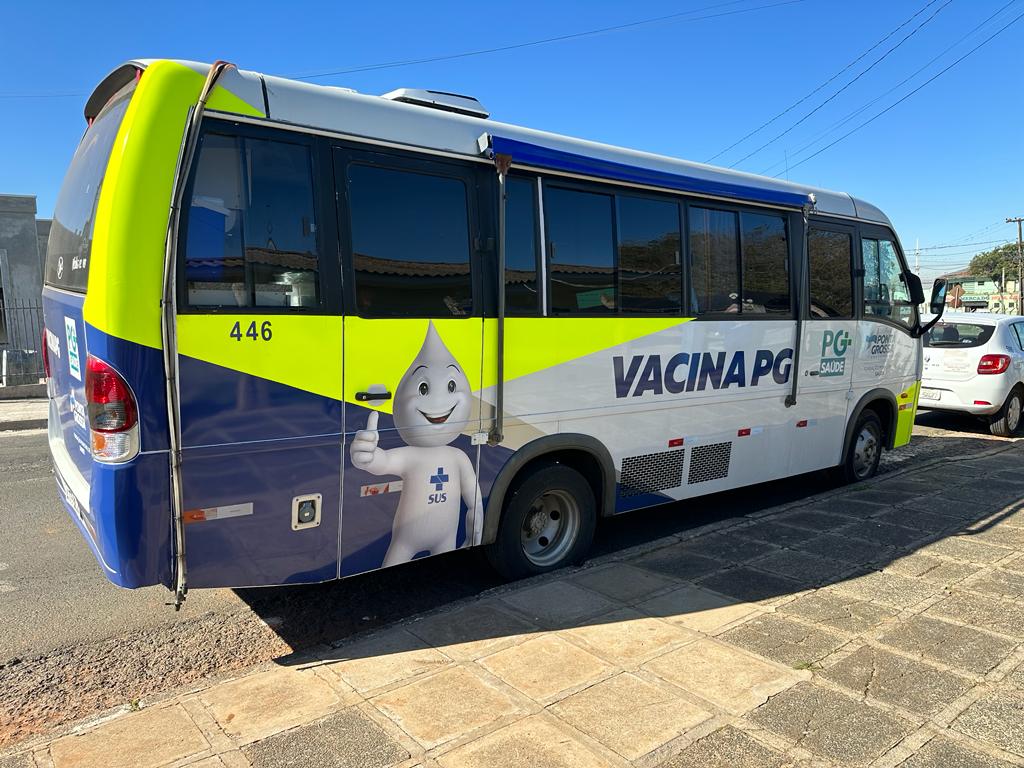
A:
(19, 425)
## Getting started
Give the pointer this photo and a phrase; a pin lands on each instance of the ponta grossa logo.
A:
(833, 353)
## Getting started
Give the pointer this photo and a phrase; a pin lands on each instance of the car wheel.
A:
(1006, 421)
(864, 450)
(548, 522)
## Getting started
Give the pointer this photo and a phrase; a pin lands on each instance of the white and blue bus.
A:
(295, 333)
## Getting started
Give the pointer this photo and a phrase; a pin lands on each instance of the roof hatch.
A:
(448, 102)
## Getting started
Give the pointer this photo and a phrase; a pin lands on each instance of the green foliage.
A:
(991, 263)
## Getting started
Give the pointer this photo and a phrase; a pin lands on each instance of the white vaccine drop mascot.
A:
(431, 406)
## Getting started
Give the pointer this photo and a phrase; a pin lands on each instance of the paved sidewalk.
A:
(23, 414)
(881, 626)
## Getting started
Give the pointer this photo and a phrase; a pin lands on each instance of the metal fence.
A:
(21, 343)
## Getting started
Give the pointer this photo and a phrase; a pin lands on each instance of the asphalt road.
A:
(78, 645)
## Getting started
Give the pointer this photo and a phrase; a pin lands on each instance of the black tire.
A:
(857, 467)
(1006, 421)
(534, 499)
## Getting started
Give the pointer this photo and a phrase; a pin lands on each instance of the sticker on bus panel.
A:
(217, 513)
(432, 402)
(71, 331)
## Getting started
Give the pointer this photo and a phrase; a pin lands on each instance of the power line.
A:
(836, 94)
(962, 245)
(556, 39)
(907, 96)
(904, 81)
(798, 102)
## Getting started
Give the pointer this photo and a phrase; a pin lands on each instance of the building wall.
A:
(21, 274)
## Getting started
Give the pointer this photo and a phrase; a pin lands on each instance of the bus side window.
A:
(765, 264)
(714, 249)
(581, 251)
(251, 232)
(650, 274)
(830, 262)
(522, 296)
(885, 290)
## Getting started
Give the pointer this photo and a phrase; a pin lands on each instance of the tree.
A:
(992, 263)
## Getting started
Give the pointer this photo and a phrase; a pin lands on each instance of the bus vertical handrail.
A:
(502, 163)
(801, 301)
(168, 323)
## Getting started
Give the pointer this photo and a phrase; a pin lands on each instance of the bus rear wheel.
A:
(864, 450)
(548, 522)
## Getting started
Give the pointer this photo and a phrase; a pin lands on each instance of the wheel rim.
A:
(550, 528)
(1013, 413)
(865, 451)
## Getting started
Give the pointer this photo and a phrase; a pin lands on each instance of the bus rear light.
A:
(990, 364)
(113, 414)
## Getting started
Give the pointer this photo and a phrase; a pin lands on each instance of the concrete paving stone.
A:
(627, 637)
(832, 724)
(532, 742)
(751, 585)
(256, 706)
(967, 549)
(897, 680)
(959, 647)
(545, 667)
(728, 747)
(784, 640)
(860, 507)
(984, 612)
(932, 569)
(145, 739)
(956, 511)
(723, 675)
(473, 631)
(996, 718)
(775, 532)
(839, 611)
(888, 495)
(21, 760)
(1013, 517)
(887, 588)
(987, 490)
(912, 483)
(815, 520)
(1000, 535)
(679, 561)
(879, 532)
(845, 548)
(809, 570)
(348, 739)
(622, 582)
(556, 604)
(941, 752)
(629, 715)
(965, 510)
(928, 523)
(999, 583)
(698, 609)
(1016, 677)
(729, 548)
(1017, 564)
(438, 708)
(384, 658)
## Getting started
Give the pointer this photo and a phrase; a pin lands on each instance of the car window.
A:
(956, 334)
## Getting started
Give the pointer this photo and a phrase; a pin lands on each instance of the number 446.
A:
(265, 332)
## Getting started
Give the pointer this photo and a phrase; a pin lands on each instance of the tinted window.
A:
(251, 233)
(410, 243)
(885, 291)
(829, 257)
(650, 278)
(714, 254)
(521, 294)
(765, 264)
(944, 334)
(70, 243)
(580, 250)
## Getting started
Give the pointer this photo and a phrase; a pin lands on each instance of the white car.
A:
(974, 363)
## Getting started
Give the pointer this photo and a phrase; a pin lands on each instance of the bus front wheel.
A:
(865, 448)
(548, 522)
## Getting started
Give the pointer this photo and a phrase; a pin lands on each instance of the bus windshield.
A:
(67, 255)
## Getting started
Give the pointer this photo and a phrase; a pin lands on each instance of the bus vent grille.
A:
(651, 472)
(709, 462)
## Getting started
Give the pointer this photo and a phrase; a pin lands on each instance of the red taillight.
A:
(993, 364)
(111, 405)
(46, 355)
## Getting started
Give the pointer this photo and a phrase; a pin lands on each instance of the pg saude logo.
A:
(834, 345)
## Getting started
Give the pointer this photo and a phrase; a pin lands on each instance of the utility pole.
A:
(1020, 261)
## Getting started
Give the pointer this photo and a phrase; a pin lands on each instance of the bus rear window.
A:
(70, 244)
(958, 335)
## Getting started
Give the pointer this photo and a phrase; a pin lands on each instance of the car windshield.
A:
(951, 334)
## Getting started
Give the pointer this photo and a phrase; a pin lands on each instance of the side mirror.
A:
(938, 302)
(915, 289)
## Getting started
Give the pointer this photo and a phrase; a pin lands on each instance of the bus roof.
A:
(343, 111)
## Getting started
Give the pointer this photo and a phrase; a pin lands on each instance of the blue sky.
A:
(946, 165)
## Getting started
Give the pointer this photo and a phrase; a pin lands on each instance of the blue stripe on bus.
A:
(524, 153)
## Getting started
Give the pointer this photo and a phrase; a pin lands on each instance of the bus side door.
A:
(411, 247)
(260, 352)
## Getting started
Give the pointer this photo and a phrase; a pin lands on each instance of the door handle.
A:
(364, 396)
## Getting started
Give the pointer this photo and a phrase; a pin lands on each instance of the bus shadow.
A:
(832, 540)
